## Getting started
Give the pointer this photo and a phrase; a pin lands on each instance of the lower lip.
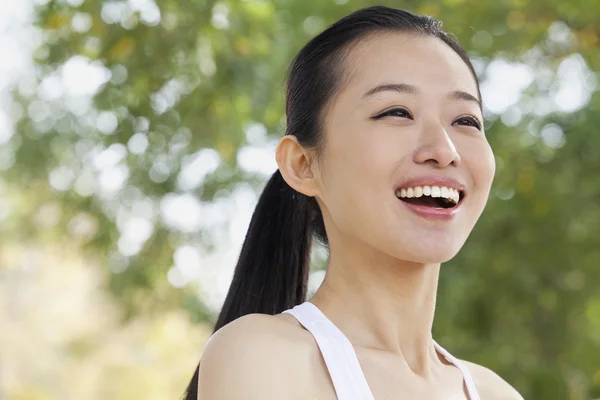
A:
(433, 212)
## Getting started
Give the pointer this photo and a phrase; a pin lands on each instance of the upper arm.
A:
(245, 360)
(490, 385)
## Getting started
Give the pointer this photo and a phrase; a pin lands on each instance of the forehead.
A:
(423, 61)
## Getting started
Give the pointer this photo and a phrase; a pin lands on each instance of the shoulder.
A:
(252, 357)
(490, 385)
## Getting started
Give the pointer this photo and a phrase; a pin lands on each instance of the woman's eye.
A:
(469, 121)
(395, 112)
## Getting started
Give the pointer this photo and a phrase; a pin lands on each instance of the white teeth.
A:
(445, 193)
(433, 191)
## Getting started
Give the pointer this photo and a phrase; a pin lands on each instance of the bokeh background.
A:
(135, 136)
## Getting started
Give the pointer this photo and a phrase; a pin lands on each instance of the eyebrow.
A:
(411, 89)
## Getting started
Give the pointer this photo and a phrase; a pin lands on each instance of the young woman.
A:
(385, 161)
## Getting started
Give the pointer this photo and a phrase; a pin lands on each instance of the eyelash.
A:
(393, 113)
(474, 122)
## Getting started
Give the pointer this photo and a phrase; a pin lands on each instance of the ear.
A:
(295, 165)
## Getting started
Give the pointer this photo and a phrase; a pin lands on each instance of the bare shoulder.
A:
(490, 385)
(251, 358)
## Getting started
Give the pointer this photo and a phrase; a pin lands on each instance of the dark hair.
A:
(272, 271)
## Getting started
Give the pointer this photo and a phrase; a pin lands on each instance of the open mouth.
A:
(436, 197)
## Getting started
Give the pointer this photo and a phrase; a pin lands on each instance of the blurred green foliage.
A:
(522, 298)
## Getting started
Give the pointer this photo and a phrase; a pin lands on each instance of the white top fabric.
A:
(341, 360)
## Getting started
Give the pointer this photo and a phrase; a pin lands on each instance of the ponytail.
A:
(271, 274)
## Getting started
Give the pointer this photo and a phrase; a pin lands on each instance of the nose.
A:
(436, 147)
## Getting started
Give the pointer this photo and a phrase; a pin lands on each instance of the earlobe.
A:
(295, 165)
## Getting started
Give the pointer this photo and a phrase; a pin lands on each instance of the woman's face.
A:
(407, 117)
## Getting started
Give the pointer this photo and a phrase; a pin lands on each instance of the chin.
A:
(428, 252)
(431, 258)
(438, 258)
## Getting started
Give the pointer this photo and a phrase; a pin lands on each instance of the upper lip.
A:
(434, 180)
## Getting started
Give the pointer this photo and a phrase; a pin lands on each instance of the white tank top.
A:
(341, 360)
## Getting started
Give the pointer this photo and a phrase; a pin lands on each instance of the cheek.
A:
(481, 165)
(352, 177)
(357, 178)
(361, 152)
(487, 165)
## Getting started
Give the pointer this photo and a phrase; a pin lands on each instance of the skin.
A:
(381, 282)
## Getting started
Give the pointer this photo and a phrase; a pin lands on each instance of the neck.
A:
(383, 304)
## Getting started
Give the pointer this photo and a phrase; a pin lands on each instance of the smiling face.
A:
(407, 117)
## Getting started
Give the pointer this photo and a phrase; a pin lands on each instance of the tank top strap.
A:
(340, 358)
(469, 382)
(339, 355)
